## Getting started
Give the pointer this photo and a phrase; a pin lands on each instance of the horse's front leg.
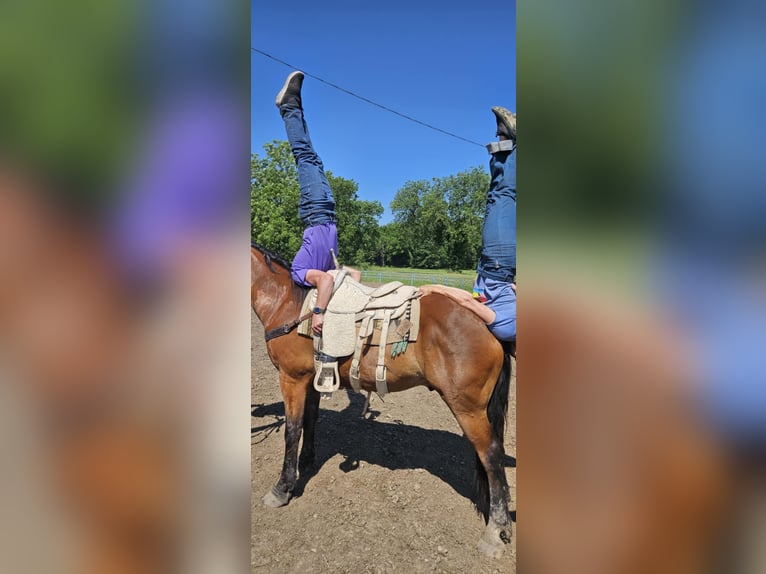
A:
(294, 393)
(308, 455)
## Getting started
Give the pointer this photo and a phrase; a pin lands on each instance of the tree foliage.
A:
(274, 197)
(437, 223)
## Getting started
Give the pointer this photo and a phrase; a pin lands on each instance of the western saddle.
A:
(360, 316)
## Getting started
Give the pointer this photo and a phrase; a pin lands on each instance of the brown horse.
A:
(455, 355)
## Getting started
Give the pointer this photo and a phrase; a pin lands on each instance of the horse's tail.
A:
(497, 412)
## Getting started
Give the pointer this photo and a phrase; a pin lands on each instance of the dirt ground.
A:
(391, 493)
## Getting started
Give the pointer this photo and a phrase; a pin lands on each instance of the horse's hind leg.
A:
(498, 531)
(294, 395)
(490, 451)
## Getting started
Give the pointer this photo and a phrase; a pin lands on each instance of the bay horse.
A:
(454, 355)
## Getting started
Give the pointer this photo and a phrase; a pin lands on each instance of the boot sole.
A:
(283, 91)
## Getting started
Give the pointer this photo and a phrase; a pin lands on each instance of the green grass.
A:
(461, 273)
(412, 276)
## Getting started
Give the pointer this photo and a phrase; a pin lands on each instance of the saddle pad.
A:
(308, 304)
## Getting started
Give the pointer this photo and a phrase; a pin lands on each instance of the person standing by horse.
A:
(495, 291)
(317, 205)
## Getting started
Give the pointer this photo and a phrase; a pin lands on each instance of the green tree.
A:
(438, 223)
(393, 246)
(274, 197)
(467, 198)
(358, 230)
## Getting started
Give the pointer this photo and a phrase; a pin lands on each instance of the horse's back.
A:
(455, 343)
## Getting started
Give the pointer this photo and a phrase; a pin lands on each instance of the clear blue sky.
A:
(443, 62)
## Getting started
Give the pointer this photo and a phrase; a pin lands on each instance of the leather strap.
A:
(286, 328)
(380, 369)
(354, 372)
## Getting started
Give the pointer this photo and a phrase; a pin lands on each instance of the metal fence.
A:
(418, 278)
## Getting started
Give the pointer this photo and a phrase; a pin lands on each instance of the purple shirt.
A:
(315, 252)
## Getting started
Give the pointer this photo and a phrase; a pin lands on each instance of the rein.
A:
(286, 328)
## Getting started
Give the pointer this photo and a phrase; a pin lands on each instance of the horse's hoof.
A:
(274, 499)
(493, 541)
(491, 549)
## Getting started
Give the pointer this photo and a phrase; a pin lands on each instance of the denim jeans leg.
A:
(315, 189)
(499, 231)
(502, 169)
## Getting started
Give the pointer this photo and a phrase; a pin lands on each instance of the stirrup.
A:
(327, 378)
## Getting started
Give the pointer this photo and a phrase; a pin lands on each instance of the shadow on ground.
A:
(392, 445)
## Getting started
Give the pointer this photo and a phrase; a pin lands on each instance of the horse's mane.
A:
(271, 256)
(299, 292)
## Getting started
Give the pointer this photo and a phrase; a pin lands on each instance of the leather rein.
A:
(286, 328)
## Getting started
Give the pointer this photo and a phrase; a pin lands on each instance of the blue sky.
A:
(445, 63)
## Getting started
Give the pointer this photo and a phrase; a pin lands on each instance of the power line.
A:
(367, 100)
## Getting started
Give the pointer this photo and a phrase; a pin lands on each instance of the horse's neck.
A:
(273, 300)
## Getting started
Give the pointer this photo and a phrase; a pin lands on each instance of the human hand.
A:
(317, 321)
(424, 290)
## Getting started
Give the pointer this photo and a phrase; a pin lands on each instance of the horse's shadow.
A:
(275, 411)
(393, 445)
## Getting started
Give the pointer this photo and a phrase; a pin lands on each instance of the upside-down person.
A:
(497, 265)
(316, 207)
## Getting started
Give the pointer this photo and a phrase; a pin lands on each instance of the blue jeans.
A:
(501, 298)
(497, 266)
(317, 205)
(498, 251)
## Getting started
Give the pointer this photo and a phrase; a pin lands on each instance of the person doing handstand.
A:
(317, 205)
(495, 281)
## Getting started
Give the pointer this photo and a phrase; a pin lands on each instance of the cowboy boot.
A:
(506, 123)
(290, 94)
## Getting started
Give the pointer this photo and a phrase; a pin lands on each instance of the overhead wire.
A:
(364, 99)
